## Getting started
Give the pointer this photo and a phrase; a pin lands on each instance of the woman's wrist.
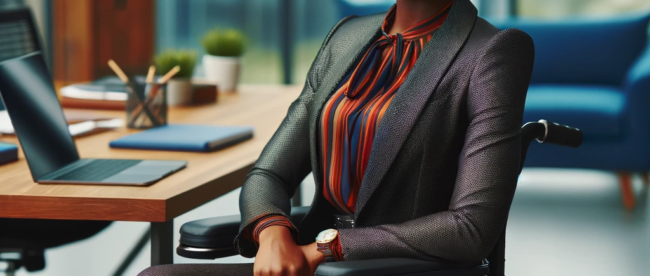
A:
(314, 257)
(275, 233)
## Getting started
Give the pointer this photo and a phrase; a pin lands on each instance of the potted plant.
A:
(179, 88)
(222, 61)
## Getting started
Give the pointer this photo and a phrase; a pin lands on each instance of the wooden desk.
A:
(207, 176)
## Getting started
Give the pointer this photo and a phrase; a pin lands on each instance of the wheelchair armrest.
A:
(212, 238)
(399, 266)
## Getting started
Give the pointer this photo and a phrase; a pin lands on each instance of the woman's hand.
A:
(279, 255)
(314, 258)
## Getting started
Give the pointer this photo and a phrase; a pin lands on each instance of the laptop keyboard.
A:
(98, 170)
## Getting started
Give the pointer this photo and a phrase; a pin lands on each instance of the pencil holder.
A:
(146, 106)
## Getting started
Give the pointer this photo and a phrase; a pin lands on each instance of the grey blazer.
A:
(445, 160)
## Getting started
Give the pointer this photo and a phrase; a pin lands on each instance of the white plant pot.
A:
(224, 71)
(179, 92)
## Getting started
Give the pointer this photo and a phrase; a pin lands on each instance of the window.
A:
(180, 24)
(569, 8)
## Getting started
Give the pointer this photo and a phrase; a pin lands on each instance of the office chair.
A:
(23, 241)
(18, 34)
(213, 238)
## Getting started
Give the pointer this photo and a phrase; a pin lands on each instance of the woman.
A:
(409, 121)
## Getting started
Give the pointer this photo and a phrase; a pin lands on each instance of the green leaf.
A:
(166, 60)
(227, 43)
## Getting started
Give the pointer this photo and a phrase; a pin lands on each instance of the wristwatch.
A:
(324, 243)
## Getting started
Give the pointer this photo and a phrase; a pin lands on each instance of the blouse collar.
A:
(423, 27)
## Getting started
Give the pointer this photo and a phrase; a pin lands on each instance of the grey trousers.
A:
(199, 270)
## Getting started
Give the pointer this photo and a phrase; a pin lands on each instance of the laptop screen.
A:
(29, 97)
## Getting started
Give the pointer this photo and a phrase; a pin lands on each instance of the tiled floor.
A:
(573, 223)
(563, 222)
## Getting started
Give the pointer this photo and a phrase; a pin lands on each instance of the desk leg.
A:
(162, 242)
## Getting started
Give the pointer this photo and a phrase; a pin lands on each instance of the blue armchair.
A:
(593, 74)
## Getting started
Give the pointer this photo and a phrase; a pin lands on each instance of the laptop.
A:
(35, 112)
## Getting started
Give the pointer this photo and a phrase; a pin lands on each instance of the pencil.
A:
(170, 74)
(151, 73)
(120, 74)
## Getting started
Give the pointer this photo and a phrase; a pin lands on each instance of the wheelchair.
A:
(212, 238)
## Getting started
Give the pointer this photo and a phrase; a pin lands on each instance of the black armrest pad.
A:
(398, 266)
(220, 232)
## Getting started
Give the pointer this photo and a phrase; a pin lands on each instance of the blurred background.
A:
(570, 216)
(283, 35)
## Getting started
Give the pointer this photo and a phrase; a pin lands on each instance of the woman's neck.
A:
(410, 12)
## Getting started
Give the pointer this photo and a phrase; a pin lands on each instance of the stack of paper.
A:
(77, 127)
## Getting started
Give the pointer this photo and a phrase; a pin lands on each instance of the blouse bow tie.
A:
(372, 64)
(390, 56)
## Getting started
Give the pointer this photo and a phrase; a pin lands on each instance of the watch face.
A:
(327, 236)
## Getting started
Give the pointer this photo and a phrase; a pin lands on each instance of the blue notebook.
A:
(185, 138)
(8, 153)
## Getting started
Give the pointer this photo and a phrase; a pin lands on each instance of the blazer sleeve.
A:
(283, 164)
(488, 168)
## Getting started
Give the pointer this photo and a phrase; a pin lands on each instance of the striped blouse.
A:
(350, 118)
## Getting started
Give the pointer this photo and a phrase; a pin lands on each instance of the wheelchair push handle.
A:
(562, 135)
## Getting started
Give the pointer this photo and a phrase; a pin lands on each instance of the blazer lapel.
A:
(345, 54)
(410, 99)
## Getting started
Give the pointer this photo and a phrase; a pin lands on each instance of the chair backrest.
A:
(18, 33)
(497, 257)
(19, 36)
(583, 51)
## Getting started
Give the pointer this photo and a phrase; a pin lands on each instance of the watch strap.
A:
(326, 249)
